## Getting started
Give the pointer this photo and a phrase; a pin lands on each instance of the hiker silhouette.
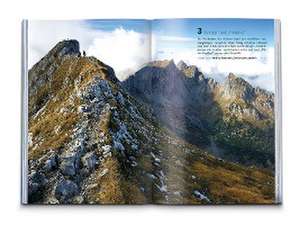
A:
(84, 54)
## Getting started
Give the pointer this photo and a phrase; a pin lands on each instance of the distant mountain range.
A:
(166, 135)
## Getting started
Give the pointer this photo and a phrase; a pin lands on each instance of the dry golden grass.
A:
(113, 188)
(132, 193)
(105, 122)
(110, 184)
(145, 162)
(222, 182)
(61, 87)
(236, 184)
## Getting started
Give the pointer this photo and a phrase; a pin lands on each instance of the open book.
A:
(167, 111)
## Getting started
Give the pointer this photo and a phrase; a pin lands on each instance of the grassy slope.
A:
(189, 169)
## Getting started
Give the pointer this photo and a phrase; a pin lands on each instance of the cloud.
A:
(43, 35)
(124, 50)
(173, 38)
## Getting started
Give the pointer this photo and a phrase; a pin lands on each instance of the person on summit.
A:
(84, 53)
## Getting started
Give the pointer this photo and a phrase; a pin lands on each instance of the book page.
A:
(88, 141)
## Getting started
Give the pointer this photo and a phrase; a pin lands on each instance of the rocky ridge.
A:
(84, 125)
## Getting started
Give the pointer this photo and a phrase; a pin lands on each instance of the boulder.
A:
(89, 160)
(36, 182)
(65, 190)
(50, 163)
(106, 151)
(69, 163)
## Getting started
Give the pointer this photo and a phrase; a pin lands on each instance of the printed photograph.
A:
(167, 111)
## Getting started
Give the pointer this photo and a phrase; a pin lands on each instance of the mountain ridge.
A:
(202, 104)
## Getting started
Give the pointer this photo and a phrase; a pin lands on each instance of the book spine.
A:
(278, 112)
(24, 113)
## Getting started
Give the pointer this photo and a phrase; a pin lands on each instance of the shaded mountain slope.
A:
(90, 142)
(233, 120)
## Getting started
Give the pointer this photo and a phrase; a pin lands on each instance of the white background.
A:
(12, 12)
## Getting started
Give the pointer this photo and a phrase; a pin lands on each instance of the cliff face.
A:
(90, 142)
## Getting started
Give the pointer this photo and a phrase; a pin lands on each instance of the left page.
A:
(85, 140)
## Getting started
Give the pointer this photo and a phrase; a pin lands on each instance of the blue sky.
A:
(127, 44)
(137, 25)
(188, 27)
(177, 39)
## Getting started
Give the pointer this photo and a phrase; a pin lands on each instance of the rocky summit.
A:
(95, 140)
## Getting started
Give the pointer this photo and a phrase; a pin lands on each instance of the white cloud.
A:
(124, 50)
(173, 38)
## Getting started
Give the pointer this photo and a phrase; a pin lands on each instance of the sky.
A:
(126, 45)
(122, 44)
(177, 39)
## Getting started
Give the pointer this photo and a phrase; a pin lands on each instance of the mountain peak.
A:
(66, 47)
(171, 65)
(234, 81)
(181, 65)
(238, 87)
(162, 63)
(61, 49)
(231, 76)
(190, 71)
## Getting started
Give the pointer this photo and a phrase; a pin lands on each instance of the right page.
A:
(211, 85)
